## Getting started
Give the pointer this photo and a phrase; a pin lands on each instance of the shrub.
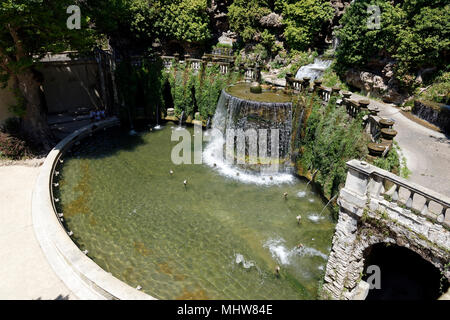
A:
(413, 32)
(328, 140)
(244, 16)
(12, 147)
(304, 20)
(439, 91)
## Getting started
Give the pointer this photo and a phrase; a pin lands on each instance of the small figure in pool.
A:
(299, 218)
(171, 172)
(300, 245)
(185, 184)
(285, 195)
(277, 270)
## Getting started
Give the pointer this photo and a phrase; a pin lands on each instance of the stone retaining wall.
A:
(435, 113)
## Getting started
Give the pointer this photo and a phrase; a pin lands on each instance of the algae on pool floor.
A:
(218, 238)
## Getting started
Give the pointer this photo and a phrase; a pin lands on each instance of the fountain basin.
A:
(140, 223)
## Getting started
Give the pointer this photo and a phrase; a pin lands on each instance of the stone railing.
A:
(224, 62)
(168, 61)
(370, 215)
(380, 184)
(194, 64)
(222, 51)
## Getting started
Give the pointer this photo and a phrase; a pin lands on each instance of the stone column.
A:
(288, 78)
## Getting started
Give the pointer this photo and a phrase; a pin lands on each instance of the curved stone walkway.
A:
(24, 272)
(427, 152)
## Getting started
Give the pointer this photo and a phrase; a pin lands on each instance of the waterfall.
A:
(235, 116)
(157, 127)
(181, 119)
(314, 70)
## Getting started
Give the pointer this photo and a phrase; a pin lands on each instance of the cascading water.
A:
(235, 116)
(314, 70)
(181, 119)
(157, 127)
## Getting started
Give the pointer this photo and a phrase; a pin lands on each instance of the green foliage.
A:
(268, 42)
(304, 20)
(31, 28)
(208, 88)
(391, 162)
(142, 21)
(330, 138)
(185, 20)
(414, 32)
(198, 90)
(330, 79)
(439, 91)
(223, 45)
(244, 16)
(181, 83)
(141, 87)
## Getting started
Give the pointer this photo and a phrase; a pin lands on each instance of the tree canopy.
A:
(416, 33)
(30, 29)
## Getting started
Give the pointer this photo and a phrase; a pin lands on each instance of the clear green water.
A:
(140, 223)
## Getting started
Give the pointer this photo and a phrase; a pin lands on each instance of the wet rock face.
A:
(381, 86)
(435, 113)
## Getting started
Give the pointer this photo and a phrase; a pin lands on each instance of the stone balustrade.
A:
(194, 64)
(376, 206)
(381, 184)
(168, 61)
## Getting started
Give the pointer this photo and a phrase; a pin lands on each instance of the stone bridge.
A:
(375, 207)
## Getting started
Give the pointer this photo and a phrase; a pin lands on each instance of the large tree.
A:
(29, 30)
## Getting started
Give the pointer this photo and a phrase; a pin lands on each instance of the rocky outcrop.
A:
(383, 86)
(272, 20)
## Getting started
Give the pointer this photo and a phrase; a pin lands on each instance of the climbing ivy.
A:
(328, 140)
(141, 87)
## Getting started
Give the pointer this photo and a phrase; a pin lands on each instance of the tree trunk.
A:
(34, 123)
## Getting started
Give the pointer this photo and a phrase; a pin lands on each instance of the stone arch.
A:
(404, 274)
(367, 237)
